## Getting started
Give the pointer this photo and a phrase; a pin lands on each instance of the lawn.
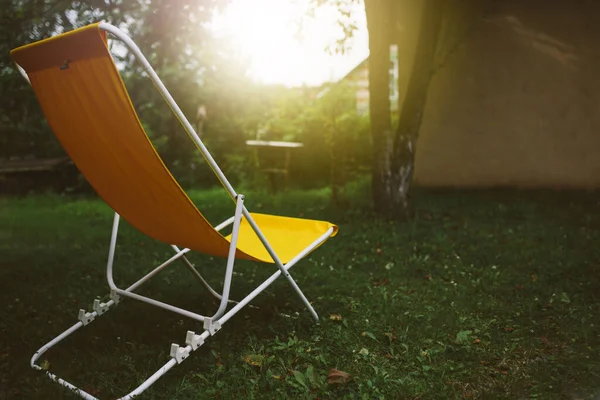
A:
(484, 294)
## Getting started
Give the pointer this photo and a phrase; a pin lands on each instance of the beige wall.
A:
(518, 103)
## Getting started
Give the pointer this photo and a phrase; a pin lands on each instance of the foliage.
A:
(23, 130)
(346, 21)
(172, 35)
(324, 119)
(487, 297)
(196, 70)
(341, 132)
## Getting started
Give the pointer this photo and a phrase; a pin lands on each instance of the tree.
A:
(425, 32)
(417, 35)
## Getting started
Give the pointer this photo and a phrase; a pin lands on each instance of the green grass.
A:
(485, 294)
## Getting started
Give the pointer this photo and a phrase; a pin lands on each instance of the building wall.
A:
(360, 79)
(518, 102)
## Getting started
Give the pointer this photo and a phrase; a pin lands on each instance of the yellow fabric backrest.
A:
(87, 106)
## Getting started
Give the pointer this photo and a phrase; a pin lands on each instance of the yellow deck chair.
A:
(87, 106)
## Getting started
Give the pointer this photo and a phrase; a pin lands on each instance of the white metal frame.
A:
(212, 324)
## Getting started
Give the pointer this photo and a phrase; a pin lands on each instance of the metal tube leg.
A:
(111, 252)
(165, 368)
(231, 256)
(279, 264)
(309, 306)
(197, 274)
(273, 277)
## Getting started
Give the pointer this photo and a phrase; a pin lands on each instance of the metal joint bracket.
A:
(99, 307)
(193, 340)
(115, 297)
(85, 317)
(212, 327)
(179, 353)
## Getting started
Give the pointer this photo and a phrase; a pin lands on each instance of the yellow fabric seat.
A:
(288, 236)
(89, 110)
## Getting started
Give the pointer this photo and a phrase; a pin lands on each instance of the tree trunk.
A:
(393, 152)
(379, 24)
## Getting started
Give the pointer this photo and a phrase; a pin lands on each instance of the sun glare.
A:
(267, 32)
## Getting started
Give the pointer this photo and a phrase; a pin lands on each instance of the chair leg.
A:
(299, 292)
(210, 289)
(197, 274)
(178, 353)
(237, 219)
(280, 265)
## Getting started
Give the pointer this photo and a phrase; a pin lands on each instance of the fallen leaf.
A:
(381, 282)
(255, 360)
(476, 341)
(390, 336)
(45, 365)
(336, 377)
(335, 317)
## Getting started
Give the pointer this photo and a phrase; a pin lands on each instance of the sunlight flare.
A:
(286, 47)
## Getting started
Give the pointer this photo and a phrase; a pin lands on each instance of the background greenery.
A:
(197, 71)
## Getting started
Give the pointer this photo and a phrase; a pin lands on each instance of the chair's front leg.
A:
(237, 219)
(111, 252)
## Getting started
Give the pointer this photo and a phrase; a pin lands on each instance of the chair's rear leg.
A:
(197, 274)
(282, 268)
(309, 306)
